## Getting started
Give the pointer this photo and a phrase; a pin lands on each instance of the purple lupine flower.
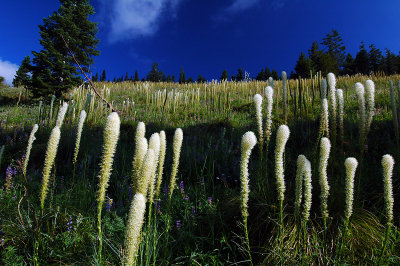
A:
(69, 225)
(210, 200)
(182, 187)
(194, 210)
(186, 198)
(178, 224)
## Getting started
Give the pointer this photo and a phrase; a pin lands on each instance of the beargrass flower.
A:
(82, 118)
(325, 149)
(163, 148)
(387, 164)
(176, 146)
(282, 137)
(29, 147)
(269, 92)
(258, 106)
(351, 166)
(61, 114)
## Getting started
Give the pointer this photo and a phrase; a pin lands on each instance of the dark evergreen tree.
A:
(275, 74)
(182, 78)
(349, 66)
(362, 61)
(103, 75)
(267, 73)
(190, 80)
(240, 75)
(375, 59)
(315, 54)
(173, 78)
(335, 46)
(164, 78)
(261, 75)
(95, 78)
(22, 77)
(303, 66)
(390, 62)
(201, 79)
(233, 78)
(136, 76)
(224, 75)
(2, 81)
(54, 70)
(155, 75)
(126, 76)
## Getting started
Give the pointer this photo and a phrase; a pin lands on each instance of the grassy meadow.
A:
(203, 222)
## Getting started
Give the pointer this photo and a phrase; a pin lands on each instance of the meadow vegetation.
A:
(314, 180)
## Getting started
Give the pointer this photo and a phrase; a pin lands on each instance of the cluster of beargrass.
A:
(96, 190)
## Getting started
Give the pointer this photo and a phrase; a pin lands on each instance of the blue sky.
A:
(207, 36)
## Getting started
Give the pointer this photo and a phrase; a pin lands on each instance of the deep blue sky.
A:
(206, 36)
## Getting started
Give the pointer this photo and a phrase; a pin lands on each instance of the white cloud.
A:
(129, 19)
(7, 70)
(239, 5)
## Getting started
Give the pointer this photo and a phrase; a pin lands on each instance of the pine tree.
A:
(224, 75)
(190, 80)
(103, 75)
(335, 46)
(240, 75)
(137, 76)
(267, 73)
(126, 76)
(390, 62)
(182, 78)
(362, 62)
(375, 59)
(261, 75)
(201, 79)
(303, 66)
(155, 74)
(95, 78)
(54, 70)
(275, 74)
(22, 77)
(349, 67)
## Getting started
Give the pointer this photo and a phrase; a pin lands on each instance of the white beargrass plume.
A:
(61, 114)
(351, 167)
(324, 88)
(332, 97)
(258, 106)
(82, 118)
(282, 137)
(51, 152)
(285, 95)
(387, 164)
(361, 109)
(271, 82)
(307, 191)
(269, 92)
(176, 147)
(140, 151)
(163, 148)
(299, 184)
(28, 149)
(146, 172)
(303, 175)
(323, 177)
(339, 94)
(154, 144)
(324, 122)
(111, 135)
(370, 102)
(249, 140)
(133, 228)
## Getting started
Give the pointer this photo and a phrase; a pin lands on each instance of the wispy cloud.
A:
(129, 19)
(7, 70)
(240, 5)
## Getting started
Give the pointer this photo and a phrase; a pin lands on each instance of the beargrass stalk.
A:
(51, 152)
(61, 114)
(271, 82)
(307, 191)
(154, 143)
(163, 148)
(351, 167)
(282, 137)
(53, 97)
(332, 97)
(339, 94)
(146, 173)
(269, 92)
(370, 103)
(258, 106)
(324, 122)
(111, 135)
(82, 118)
(140, 151)
(176, 146)
(29, 147)
(323, 177)
(298, 194)
(285, 95)
(387, 165)
(133, 229)
(249, 140)
(361, 109)
(324, 88)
